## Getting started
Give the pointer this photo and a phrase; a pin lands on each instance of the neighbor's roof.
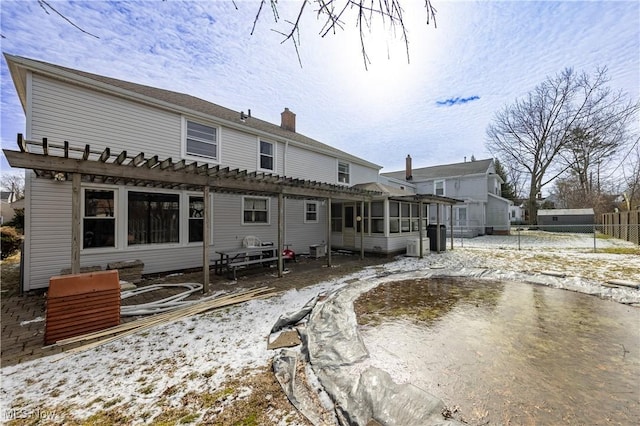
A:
(385, 189)
(445, 170)
(179, 101)
(565, 212)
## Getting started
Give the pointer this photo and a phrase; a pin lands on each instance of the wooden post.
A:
(205, 239)
(362, 230)
(280, 234)
(420, 230)
(76, 209)
(451, 225)
(329, 232)
(438, 228)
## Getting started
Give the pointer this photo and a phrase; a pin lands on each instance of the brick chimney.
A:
(288, 121)
(409, 169)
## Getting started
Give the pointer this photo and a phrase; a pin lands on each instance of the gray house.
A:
(481, 209)
(566, 220)
(251, 178)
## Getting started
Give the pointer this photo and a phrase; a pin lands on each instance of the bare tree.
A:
(13, 183)
(334, 15)
(536, 133)
(631, 177)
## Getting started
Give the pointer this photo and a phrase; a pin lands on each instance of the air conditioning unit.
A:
(413, 247)
(317, 250)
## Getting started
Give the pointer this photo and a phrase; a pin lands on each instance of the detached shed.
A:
(566, 220)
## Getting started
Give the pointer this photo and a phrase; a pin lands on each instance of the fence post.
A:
(594, 237)
(518, 238)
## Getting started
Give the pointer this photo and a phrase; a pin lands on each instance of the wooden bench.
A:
(234, 265)
(232, 260)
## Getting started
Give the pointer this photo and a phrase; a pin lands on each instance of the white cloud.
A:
(495, 50)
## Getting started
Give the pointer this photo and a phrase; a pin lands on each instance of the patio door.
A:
(349, 228)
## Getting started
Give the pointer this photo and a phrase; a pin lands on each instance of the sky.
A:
(435, 105)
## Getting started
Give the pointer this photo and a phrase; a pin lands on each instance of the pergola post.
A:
(420, 230)
(205, 239)
(329, 232)
(451, 224)
(361, 216)
(280, 234)
(76, 213)
(438, 205)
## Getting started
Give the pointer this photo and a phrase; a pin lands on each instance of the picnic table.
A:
(231, 260)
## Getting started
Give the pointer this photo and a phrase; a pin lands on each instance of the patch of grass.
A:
(620, 250)
(110, 417)
(250, 420)
(189, 418)
(112, 402)
(170, 417)
(209, 373)
(146, 390)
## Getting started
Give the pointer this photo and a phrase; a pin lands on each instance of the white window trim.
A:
(338, 162)
(193, 157)
(244, 197)
(116, 213)
(125, 213)
(275, 156)
(444, 187)
(306, 203)
(184, 211)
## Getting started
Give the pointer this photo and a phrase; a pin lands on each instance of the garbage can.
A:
(432, 234)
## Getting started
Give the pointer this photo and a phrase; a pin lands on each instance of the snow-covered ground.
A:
(155, 370)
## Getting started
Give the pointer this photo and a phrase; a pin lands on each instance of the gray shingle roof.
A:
(200, 106)
(445, 170)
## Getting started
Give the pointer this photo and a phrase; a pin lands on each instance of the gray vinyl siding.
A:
(362, 174)
(63, 112)
(300, 235)
(303, 164)
(48, 231)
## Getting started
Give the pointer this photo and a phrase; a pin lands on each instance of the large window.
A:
(403, 217)
(98, 221)
(267, 152)
(377, 217)
(310, 212)
(202, 140)
(343, 172)
(255, 210)
(196, 219)
(154, 218)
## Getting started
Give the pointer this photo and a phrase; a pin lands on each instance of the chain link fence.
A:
(551, 237)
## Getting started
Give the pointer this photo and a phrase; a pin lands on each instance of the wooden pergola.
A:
(64, 162)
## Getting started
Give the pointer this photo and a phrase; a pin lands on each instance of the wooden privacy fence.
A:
(622, 225)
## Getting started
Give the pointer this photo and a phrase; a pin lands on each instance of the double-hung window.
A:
(255, 210)
(98, 221)
(202, 140)
(267, 151)
(438, 187)
(343, 172)
(310, 212)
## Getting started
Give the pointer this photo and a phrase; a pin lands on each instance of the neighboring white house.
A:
(163, 226)
(475, 183)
